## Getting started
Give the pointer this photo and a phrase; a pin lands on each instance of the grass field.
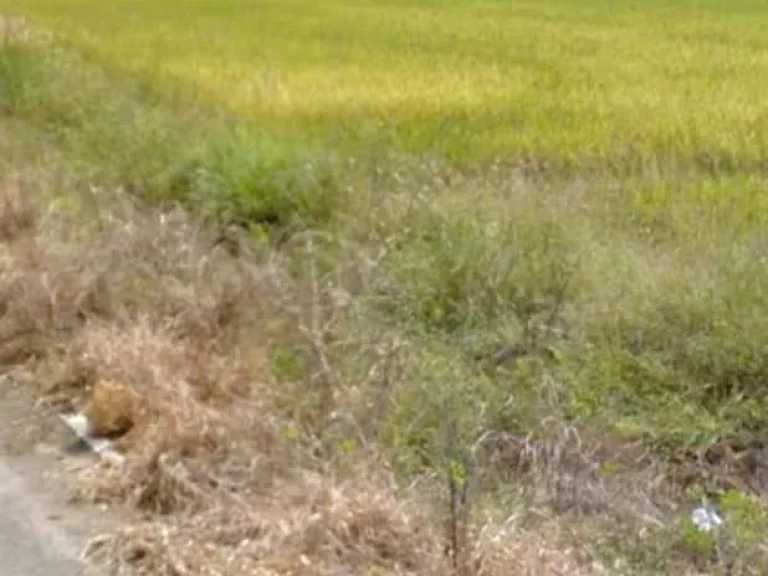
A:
(541, 219)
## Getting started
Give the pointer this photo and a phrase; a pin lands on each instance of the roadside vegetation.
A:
(398, 287)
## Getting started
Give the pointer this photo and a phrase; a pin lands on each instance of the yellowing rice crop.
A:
(472, 79)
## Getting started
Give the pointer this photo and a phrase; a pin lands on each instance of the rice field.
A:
(564, 82)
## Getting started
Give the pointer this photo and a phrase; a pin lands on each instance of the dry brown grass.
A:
(310, 525)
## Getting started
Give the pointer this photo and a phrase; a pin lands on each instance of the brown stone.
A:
(113, 409)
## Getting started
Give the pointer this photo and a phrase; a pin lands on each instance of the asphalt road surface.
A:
(41, 532)
(31, 541)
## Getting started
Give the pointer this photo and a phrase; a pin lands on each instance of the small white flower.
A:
(706, 519)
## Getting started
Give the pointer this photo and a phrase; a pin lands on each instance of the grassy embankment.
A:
(581, 182)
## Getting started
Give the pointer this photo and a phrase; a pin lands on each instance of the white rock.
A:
(103, 447)
(706, 519)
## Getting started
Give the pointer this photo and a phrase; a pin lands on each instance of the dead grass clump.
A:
(18, 213)
(166, 266)
(506, 549)
(139, 318)
(310, 526)
(127, 264)
(570, 477)
(143, 382)
(364, 523)
(153, 390)
(318, 526)
(24, 304)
